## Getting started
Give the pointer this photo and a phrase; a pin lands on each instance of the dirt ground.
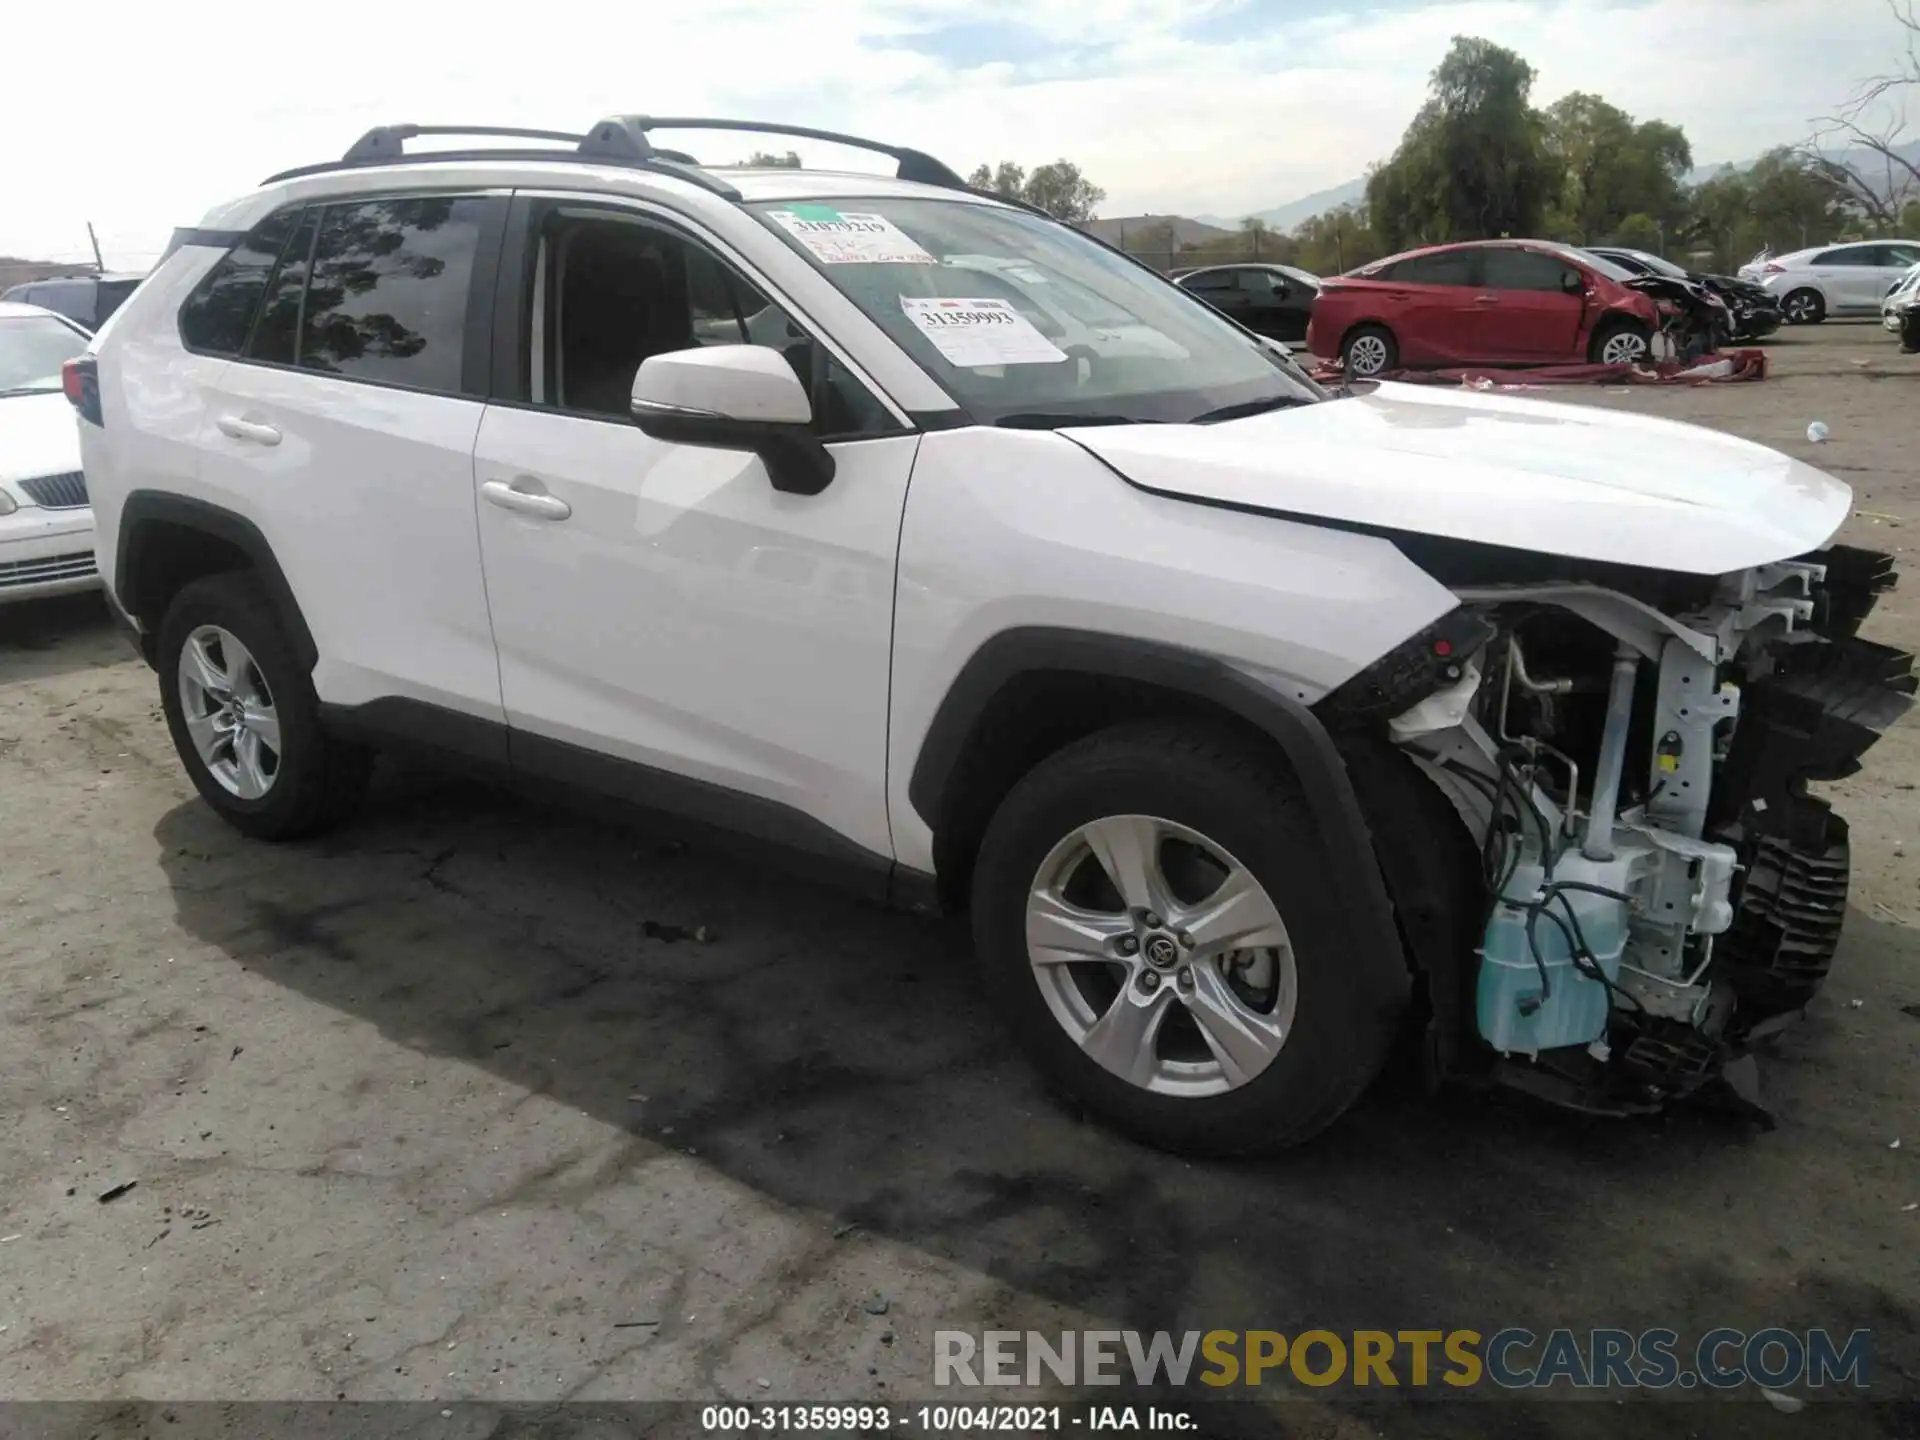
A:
(423, 1111)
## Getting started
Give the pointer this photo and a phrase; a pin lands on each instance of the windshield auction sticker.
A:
(836, 239)
(973, 333)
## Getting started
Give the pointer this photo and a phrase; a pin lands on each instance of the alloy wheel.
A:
(1626, 348)
(1367, 355)
(1162, 956)
(1800, 307)
(229, 712)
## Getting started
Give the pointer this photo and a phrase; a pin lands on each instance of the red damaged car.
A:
(1487, 302)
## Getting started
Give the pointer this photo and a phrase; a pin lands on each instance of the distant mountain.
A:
(1115, 228)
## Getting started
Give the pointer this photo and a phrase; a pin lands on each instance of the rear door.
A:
(1524, 309)
(1221, 289)
(345, 430)
(1848, 274)
(1429, 305)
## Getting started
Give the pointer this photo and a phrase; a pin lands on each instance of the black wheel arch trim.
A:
(1298, 733)
(155, 507)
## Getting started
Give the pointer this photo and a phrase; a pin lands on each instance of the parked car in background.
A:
(1754, 313)
(1825, 280)
(1271, 300)
(1903, 291)
(46, 527)
(1488, 302)
(85, 299)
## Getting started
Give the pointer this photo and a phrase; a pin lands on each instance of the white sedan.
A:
(46, 525)
(1826, 280)
(1905, 291)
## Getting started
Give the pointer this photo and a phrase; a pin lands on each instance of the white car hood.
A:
(39, 435)
(1582, 482)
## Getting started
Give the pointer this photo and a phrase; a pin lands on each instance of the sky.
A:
(1174, 106)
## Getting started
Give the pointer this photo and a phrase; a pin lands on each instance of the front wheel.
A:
(244, 715)
(1153, 917)
(1620, 342)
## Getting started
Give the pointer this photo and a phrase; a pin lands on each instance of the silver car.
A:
(1905, 292)
(1849, 279)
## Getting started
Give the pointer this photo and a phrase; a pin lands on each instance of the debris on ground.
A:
(878, 1305)
(634, 1324)
(661, 930)
(1817, 432)
(1785, 1404)
(846, 1230)
(114, 1192)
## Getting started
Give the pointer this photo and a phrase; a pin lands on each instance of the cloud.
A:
(1222, 107)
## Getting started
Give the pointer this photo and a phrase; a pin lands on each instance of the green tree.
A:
(766, 160)
(1059, 189)
(1063, 192)
(1612, 167)
(1473, 163)
(1638, 232)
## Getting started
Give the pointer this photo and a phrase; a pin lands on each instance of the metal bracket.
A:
(1687, 709)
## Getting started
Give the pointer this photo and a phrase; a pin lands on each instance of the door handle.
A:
(536, 503)
(1486, 299)
(234, 428)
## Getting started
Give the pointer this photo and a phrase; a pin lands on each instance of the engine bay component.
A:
(1657, 885)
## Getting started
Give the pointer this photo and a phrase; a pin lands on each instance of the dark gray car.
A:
(85, 299)
(1272, 300)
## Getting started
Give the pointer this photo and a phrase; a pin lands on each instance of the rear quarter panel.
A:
(153, 398)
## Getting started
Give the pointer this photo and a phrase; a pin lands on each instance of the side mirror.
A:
(735, 397)
(1281, 289)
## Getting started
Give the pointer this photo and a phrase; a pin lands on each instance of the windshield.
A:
(1658, 265)
(1023, 320)
(1612, 269)
(32, 349)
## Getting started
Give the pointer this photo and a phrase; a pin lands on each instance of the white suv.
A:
(1849, 279)
(1251, 722)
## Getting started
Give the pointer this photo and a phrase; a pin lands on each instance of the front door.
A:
(671, 628)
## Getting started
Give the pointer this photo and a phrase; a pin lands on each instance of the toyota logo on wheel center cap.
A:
(1161, 952)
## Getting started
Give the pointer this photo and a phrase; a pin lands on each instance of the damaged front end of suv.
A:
(1629, 754)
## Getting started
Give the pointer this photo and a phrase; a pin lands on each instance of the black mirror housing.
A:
(797, 463)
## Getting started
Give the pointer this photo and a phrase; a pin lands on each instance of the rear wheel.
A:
(1804, 307)
(1620, 342)
(244, 715)
(1151, 909)
(1369, 350)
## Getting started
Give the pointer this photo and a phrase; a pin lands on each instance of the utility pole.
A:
(98, 263)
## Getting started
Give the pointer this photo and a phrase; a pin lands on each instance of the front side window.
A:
(1512, 269)
(218, 314)
(32, 350)
(1026, 321)
(1856, 256)
(612, 292)
(386, 299)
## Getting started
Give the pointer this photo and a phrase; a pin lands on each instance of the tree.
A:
(1612, 168)
(1872, 122)
(1473, 163)
(765, 160)
(1059, 189)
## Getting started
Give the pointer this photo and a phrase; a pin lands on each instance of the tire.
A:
(1184, 779)
(1804, 306)
(1616, 335)
(1377, 352)
(313, 780)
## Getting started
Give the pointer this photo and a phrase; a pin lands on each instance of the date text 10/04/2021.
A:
(944, 1419)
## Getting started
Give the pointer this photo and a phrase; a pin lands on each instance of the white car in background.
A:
(46, 525)
(1826, 280)
(1905, 292)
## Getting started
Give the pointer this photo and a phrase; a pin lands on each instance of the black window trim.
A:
(513, 302)
(299, 214)
(476, 380)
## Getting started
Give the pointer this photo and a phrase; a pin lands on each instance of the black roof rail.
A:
(385, 145)
(914, 165)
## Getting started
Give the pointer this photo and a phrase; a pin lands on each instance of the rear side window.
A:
(277, 331)
(218, 314)
(110, 295)
(387, 299)
(1448, 267)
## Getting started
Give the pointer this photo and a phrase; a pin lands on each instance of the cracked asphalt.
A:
(435, 1109)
